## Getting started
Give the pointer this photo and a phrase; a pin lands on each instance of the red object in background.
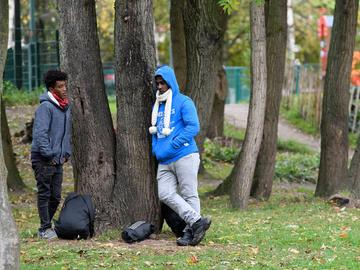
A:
(355, 69)
(323, 30)
(323, 58)
(109, 77)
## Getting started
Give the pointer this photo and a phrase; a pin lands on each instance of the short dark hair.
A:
(51, 76)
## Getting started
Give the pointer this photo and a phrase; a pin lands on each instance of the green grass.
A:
(112, 104)
(233, 132)
(291, 231)
(295, 119)
(309, 127)
(282, 145)
(293, 146)
(13, 96)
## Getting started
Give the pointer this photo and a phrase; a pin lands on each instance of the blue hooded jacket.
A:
(51, 132)
(184, 123)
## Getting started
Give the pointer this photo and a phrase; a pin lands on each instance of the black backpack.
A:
(76, 219)
(173, 220)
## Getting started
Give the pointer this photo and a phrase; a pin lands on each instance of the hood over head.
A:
(168, 75)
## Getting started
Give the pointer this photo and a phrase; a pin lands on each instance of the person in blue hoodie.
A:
(50, 148)
(174, 124)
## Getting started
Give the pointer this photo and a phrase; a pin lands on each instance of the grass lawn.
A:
(293, 230)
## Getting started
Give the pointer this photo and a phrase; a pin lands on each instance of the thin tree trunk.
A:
(354, 173)
(14, 181)
(135, 189)
(178, 45)
(243, 171)
(204, 22)
(216, 127)
(276, 32)
(9, 241)
(334, 122)
(93, 133)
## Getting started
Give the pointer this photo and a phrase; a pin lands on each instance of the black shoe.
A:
(198, 229)
(185, 239)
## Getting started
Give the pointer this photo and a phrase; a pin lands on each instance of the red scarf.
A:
(62, 102)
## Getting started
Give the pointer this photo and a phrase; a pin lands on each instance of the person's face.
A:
(161, 85)
(60, 89)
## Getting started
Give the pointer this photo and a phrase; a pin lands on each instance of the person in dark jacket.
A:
(51, 148)
(174, 125)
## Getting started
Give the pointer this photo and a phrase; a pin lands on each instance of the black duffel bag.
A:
(76, 219)
(137, 232)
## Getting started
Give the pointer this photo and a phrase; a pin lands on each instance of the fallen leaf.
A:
(343, 235)
(323, 247)
(147, 263)
(193, 259)
(254, 250)
(294, 251)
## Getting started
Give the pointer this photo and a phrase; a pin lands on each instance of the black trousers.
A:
(48, 181)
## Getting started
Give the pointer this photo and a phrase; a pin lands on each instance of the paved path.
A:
(236, 114)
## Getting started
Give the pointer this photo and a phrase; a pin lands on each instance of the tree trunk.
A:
(244, 168)
(354, 173)
(93, 133)
(134, 73)
(216, 128)
(276, 32)
(334, 122)
(178, 45)
(9, 241)
(204, 22)
(14, 181)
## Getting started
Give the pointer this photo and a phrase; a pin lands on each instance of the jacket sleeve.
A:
(42, 123)
(191, 124)
(68, 150)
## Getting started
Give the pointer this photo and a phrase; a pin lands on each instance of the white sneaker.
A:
(48, 234)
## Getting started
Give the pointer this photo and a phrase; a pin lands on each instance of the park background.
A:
(299, 230)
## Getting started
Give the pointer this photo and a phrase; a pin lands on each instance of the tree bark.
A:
(134, 73)
(244, 168)
(14, 181)
(93, 135)
(334, 121)
(204, 22)
(354, 173)
(276, 36)
(216, 128)
(178, 45)
(9, 241)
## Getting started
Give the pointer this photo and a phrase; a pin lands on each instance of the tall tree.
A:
(244, 168)
(216, 128)
(276, 32)
(354, 173)
(334, 120)
(14, 181)
(134, 74)
(93, 133)
(204, 34)
(9, 244)
(117, 171)
(178, 45)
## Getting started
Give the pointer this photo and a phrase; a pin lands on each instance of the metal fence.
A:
(238, 79)
(25, 67)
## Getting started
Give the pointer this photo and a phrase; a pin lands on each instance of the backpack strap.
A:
(91, 212)
(69, 197)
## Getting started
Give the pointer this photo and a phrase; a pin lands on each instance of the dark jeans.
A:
(48, 180)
